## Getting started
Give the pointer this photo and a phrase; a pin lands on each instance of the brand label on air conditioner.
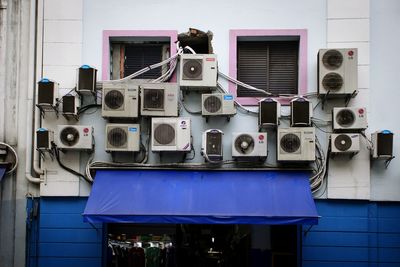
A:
(210, 59)
(228, 97)
(132, 129)
(183, 125)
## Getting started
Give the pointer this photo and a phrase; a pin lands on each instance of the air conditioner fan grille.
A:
(212, 104)
(153, 99)
(114, 99)
(192, 69)
(69, 136)
(290, 143)
(343, 142)
(332, 59)
(117, 137)
(244, 144)
(345, 118)
(164, 134)
(332, 82)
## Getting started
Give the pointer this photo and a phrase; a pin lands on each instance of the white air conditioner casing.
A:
(74, 137)
(337, 71)
(212, 145)
(159, 99)
(121, 99)
(197, 71)
(217, 105)
(122, 137)
(349, 118)
(296, 144)
(171, 134)
(249, 145)
(345, 143)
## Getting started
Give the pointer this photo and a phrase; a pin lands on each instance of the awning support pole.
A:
(308, 230)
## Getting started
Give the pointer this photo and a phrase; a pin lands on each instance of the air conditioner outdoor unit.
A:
(345, 143)
(171, 134)
(269, 113)
(301, 112)
(218, 105)
(349, 119)
(198, 71)
(86, 80)
(122, 137)
(44, 139)
(121, 99)
(296, 144)
(159, 99)
(47, 94)
(382, 145)
(249, 145)
(212, 146)
(70, 106)
(337, 71)
(74, 137)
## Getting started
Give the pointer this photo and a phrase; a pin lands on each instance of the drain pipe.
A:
(32, 159)
(3, 42)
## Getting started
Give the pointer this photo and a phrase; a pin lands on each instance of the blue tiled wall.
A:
(61, 238)
(353, 233)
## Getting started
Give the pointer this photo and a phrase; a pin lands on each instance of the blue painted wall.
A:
(59, 237)
(353, 233)
(350, 233)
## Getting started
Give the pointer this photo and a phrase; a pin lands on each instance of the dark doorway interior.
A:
(198, 245)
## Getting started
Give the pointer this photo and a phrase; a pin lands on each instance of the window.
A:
(272, 60)
(129, 56)
(125, 52)
(268, 65)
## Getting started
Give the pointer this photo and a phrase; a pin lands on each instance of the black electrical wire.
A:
(194, 153)
(57, 156)
(84, 108)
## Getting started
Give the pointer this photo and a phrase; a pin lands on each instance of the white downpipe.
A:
(32, 162)
(3, 42)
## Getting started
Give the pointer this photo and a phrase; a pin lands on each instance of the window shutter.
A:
(139, 56)
(271, 66)
(283, 73)
(252, 67)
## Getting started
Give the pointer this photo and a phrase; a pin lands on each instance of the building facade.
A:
(42, 204)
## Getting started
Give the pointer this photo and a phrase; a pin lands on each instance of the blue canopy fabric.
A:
(201, 197)
(2, 173)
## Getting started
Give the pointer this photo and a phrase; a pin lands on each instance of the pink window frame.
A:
(233, 37)
(108, 34)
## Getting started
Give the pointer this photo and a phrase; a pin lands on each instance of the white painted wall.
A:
(385, 93)
(331, 23)
(348, 27)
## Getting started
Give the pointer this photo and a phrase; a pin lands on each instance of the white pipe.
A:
(3, 42)
(32, 162)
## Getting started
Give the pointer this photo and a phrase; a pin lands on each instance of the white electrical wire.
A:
(317, 180)
(15, 155)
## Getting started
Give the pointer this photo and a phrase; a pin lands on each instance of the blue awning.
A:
(202, 197)
(2, 173)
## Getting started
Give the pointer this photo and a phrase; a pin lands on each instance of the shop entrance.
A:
(202, 245)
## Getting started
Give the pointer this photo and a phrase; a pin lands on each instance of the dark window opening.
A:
(268, 65)
(201, 245)
(198, 40)
(128, 57)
